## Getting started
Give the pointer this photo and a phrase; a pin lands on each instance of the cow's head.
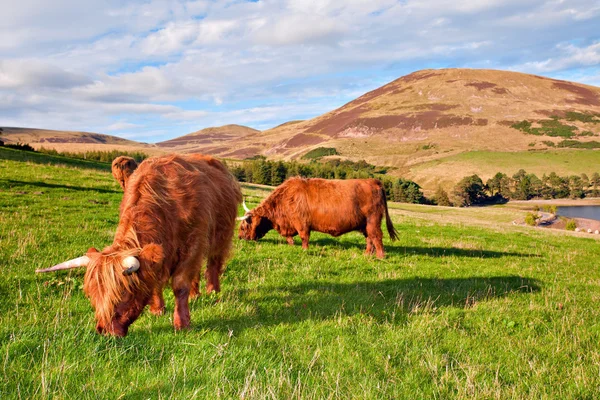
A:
(118, 283)
(253, 226)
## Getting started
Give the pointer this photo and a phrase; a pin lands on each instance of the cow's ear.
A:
(91, 251)
(152, 253)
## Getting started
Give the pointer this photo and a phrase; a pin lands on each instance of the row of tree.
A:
(104, 156)
(523, 186)
(274, 173)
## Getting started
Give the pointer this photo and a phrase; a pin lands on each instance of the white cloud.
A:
(37, 74)
(120, 126)
(259, 62)
(570, 56)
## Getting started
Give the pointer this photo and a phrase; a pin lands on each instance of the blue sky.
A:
(154, 70)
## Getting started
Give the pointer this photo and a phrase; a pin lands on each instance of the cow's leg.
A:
(157, 302)
(195, 289)
(305, 236)
(182, 285)
(290, 240)
(181, 316)
(370, 249)
(376, 235)
(214, 270)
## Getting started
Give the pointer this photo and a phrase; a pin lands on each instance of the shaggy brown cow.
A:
(122, 168)
(299, 206)
(176, 213)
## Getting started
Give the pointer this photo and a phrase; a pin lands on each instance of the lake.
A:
(589, 212)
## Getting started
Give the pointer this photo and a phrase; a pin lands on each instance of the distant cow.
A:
(122, 168)
(299, 206)
(176, 214)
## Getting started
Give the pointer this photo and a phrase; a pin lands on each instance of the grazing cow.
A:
(299, 206)
(122, 168)
(176, 214)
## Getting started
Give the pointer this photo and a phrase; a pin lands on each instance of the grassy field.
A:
(464, 306)
(487, 163)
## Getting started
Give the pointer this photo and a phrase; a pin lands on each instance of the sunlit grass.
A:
(456, 310)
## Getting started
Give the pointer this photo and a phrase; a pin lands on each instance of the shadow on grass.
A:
(400, 250)
(45, 159)
(13, 183)
(389, 301)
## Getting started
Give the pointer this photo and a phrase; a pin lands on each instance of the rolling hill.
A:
(419, 121)
(72, 140)
(215, 140)
(431, 126)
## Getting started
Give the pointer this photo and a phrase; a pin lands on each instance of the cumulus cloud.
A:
(168, 68)
(569, 56)
(33, 73)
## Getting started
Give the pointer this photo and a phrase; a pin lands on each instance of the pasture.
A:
(465, 305)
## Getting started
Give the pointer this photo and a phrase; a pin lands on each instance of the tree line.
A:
(472, 190)
(103, 156)
(274, 173)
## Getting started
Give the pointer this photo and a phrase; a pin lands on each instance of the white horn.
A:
(74, 263)
(130, 264)
(245, 217)
(245, 206)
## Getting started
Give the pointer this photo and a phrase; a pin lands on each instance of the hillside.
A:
(431, 126)
(215, 140)
(72, 140)
(422, 118)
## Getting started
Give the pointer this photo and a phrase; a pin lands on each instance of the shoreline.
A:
(588, 201)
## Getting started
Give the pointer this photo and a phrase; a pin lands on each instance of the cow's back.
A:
(181, 204)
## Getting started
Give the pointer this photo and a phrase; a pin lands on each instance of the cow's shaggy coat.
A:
(177, 213)
(299, 206)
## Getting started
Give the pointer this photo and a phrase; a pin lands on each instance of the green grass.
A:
(320, 152)
(576, 144)
(548, 127)
(456, 310)
(487, 163)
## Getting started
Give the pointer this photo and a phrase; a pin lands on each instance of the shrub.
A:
(441, 198)
(549, 127)
(469, 190)
(575, 144)
(20, 146)
(320, 152)
(531, 219)
(583, 117)
(571, 225)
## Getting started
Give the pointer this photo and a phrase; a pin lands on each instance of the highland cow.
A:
(122, 168)
(176, 214)
(299, 206)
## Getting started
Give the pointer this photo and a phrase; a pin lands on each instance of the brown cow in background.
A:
(175, 215)
(122, 168)
(299, 206)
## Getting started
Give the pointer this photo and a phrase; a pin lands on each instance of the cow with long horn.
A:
(177, 213)
(299, 206)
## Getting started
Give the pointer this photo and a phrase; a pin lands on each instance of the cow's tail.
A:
(388, 220)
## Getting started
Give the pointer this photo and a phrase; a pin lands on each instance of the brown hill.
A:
(427, 116)
(218, 140)
(432, 126)
(451, 109)
(72, 140)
